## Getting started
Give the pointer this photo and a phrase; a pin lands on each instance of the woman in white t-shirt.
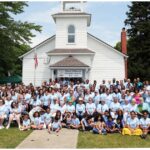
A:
(90, 107)
(15, 113)
(70, 107)
(132, 126)
(80, 108)
(2, 113)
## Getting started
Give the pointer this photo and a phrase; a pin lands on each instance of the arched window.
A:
(71, 34)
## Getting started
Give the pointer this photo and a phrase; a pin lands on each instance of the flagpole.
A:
(34, 68)
(35, 65)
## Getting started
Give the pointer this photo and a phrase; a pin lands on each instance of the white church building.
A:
(73, 52)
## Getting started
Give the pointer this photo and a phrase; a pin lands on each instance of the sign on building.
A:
(69, 73)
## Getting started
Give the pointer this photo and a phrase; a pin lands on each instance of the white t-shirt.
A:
(70, 108)
(90, 108)
(133, 123)
(3, 110)
(102, 108)
(80, 108)
(115, 106)
(35, 103)
(145, 123)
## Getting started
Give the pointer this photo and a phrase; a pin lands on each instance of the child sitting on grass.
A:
(47, 118)
(87, 123)
(55, 126)
(26, 124)
(75, 123)
(37, 123)
(110, 126)
(67, 120)
(99, 127)
(119, 125)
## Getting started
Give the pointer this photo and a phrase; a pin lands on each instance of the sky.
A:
(106, 23)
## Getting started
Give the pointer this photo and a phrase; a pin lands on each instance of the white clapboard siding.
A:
(80, 32)
(107, 64)
(42, 72)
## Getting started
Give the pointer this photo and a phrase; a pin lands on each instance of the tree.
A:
(138, 23)
(118, 46)
(15, 37)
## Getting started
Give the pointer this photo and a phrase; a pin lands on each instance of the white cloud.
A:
(38, 39)
(105, 33)
(41, 16)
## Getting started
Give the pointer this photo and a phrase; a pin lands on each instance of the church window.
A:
(71, 34)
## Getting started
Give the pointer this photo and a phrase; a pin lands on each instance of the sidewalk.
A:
(66, 138)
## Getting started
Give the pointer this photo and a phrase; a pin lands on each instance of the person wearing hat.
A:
(70, 107)
(80, 108)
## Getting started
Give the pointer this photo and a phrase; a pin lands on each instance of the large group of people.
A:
(109, 107)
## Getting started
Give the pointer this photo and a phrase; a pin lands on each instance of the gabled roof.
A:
(69, 62)
(71, 51)
(73, 14)
(106, 44)
(40, 44)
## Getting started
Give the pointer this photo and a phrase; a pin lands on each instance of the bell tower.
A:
(71, 25)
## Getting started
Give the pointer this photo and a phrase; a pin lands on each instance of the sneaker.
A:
(7, 127)
(142, 136)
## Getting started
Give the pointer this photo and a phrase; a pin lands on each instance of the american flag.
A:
(35, 60)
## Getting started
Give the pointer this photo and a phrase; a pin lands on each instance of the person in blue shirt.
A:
(87, 123)
(132, 126)
(36, 124)
(99, 127)
(145, 124)
(111, 126)
(80, 108)
(47, 117)
(26, 124)
(75, 122)
(56, 125)
(15, 113)
(2, 113)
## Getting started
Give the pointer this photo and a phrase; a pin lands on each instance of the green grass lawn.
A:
(90, 140)
(12, 137)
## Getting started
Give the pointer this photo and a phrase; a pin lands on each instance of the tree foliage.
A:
(118, 46)
(15, 37)
(138, 23)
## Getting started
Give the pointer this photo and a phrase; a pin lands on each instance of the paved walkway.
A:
(66, 138)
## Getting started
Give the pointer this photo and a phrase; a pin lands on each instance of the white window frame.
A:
(73, 34)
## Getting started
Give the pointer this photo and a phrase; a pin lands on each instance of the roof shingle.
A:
(70, 51)
(69, 62)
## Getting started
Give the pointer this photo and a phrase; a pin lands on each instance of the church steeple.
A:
(71, 25)
(72, 6)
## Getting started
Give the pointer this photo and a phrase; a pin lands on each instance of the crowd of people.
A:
(110, 107)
